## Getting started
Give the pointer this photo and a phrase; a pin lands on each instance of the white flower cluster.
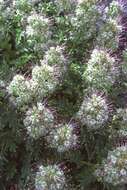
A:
(50, 178)
(37, 30)
(46, 77)
(94, 111)
(120, 120)
(43, 80)
(122, 115)
(20, 4)
(108, 34)
(110, 28)
(63, 138)
(66, 5)
(113, 10)
(35, 25)
(102, 70)
(54, 56)
(38, 23)
(114, 168)
(20, 89)
(38, 121)
(22, 8)
(122, 133)
(85, 19)
(84, 2)
(26, 7)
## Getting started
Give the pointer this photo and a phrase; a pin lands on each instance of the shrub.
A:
(63, 94)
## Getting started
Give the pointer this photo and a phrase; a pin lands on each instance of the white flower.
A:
(94, 111)
(19, 88)
(63, 138)
(113, 159)
(113, 10)
(89, 2)
(114, 169)
(108, 34)
(38, 32)
(120, 120)
(29, 31)
(38, 24)
(43, 80)
(123, 172)
(85, 21)
(50, 178)
(54, 56)
(38, 120)
(66, 5)
(102, 70)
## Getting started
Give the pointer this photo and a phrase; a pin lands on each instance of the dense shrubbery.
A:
(63, 85)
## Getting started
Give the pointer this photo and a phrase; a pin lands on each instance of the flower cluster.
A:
(38, 23)
(66, 5)
(108, 34)
(37, 31)
(85, 19)
(122, 115)
(102, 70)
(43, 80)
(38, 121)
(54, 56)
(63, 138)
(120, 122)
(20, 89)
(109, 27)
(86, 2)
(21, 5)
(94, 111)
(109, 31)
(113, 10)
(50, 177)
(122, 133)
(114, 168)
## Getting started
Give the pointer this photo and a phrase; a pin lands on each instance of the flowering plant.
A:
(63, 94)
